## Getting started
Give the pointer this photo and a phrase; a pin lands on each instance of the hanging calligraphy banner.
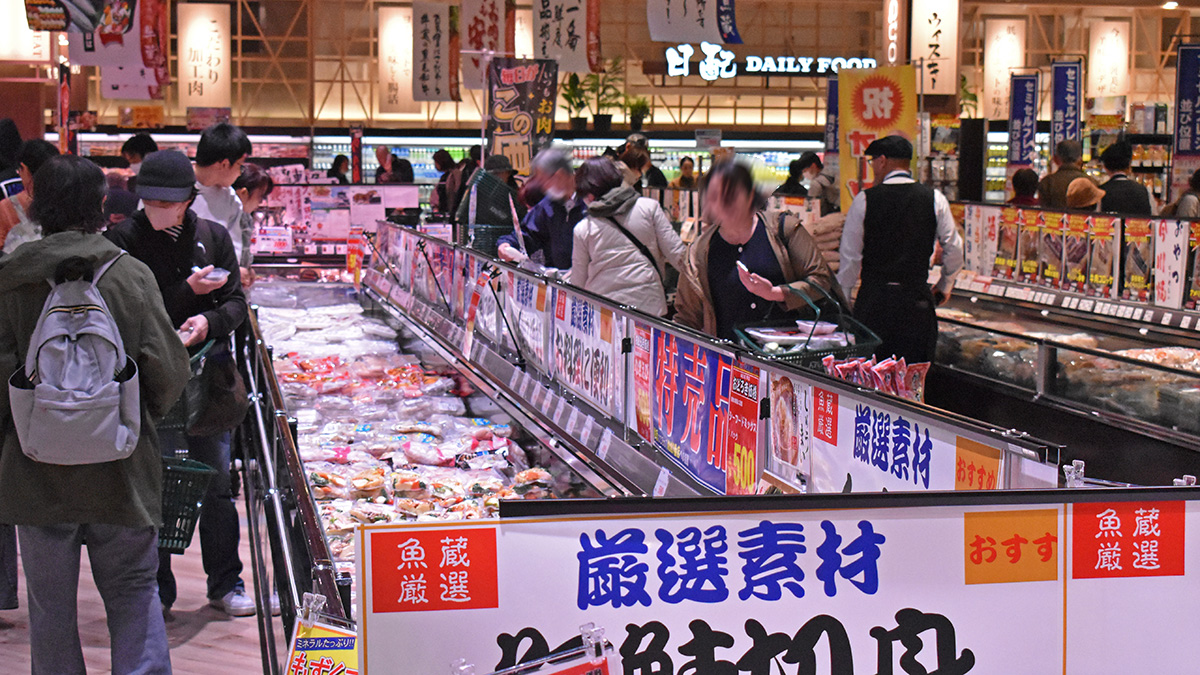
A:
(435, 52)
(872, 104)
(1108, 59)
(521, 96)
(485, 28)
(935, 45)
(204, 55)
(693, 21)
(1003, 52)
(395, 65)
(1065, 102)
(563, 31)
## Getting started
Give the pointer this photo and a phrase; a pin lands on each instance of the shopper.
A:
(114, 508)
(220, 155)
(1025, 187)
(402, 171)
(17, 226)
(457, 181)
(502, 169)
(181, 249)
(888, 237)
(252, 187)
(1121, 194)
(822, 182)
(686, 179)
(794, 185)
(652, 176)
(1188, 204)
(1068, 157)
(383, 157)
(1084, 195)
(135, 149)
(443, 162)
(341, 165)
(632, 163)
(10, 146)
(781, 262)
(620, 247)
(549, 228)
(119, 205)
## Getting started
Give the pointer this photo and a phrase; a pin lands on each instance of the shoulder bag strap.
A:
(638, 244)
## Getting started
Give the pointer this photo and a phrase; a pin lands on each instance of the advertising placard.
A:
(1066, 109)
(1137, 259)
(790, 424)
(587, 351)
(323, 647)
(642, 356)
(872, 104)
(1170, 258)
(525, 305)
(521, 98)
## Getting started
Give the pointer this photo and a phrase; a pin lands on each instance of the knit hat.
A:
(1082, 193)
(892, 147)
(497, 164)
(166, 175)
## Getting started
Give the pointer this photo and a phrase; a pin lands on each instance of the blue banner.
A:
(1187, 101)
(1065, 119)
(1022, 120)
(831, 118)
(726, 21)
(690, 406)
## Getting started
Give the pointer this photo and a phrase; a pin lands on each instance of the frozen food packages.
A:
(1137, 260)
(1006, 246)
(1029, 259)
(1075, 253)
(1104, 241)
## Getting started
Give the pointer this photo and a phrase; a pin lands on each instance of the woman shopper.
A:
(17, 226)
(182, 250)
(687, 175)
(252, 187)
(341, 165)
(114, 508)
(743, 268)
(619, 248)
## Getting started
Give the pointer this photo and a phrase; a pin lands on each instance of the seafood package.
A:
(1006, 245)
(890, 376)
(1105, 241)
(1075, 253)
(1051, 250)
(1191, 300)
(1029, 260)
(1137, 260)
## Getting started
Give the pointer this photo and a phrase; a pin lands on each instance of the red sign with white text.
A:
(825, 415)
(428, 570)
(1127, 539)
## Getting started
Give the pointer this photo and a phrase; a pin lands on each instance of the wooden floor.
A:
(203, 640)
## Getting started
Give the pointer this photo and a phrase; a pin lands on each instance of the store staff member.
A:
(888, 237)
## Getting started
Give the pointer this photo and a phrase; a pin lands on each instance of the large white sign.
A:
(395, 65)
(17, 42)
(935, 45)
(204, 55)
(1108, 59)
(1003, 52)
(483, 28)
(435, 59)
(587, 351)
(714, 62)
(946, 589)
(560, 32)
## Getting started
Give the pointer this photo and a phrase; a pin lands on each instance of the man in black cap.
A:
(888, 238)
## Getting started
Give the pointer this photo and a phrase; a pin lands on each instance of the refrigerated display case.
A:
(996, 162)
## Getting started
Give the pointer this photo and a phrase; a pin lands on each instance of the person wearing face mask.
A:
(687, 175)
(16, 224)
(745, 267)
(252, 187)
(822, 183)
(183, 251)
(549, 227)
(222, 151)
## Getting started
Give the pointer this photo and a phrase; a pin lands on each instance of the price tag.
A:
(589, 430)
(606, 440)
(560, 411)
(660, 485)
(514, 382)
(573, 422)
(342, 249)
(1167, 317)
(1086, 305)
(1185, 323)
(1137, 314)
(310, 249)
(1149, 315)
(527, 385)
(1066, 302)
(977, 287)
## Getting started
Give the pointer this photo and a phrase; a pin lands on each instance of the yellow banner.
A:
(872, 103)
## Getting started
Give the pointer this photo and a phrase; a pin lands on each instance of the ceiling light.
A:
(1171, 4)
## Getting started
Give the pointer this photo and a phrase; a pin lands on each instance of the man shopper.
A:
(220, 155)
(1052, 191)
(822, 182)
(135, 149)
(888, 238)
(1122, 194)
(549, 228)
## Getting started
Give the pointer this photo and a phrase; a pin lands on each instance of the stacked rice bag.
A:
(890, 376)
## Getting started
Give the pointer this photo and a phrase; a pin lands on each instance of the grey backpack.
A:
(76, 400)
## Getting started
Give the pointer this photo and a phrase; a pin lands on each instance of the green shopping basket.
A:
(184, 483)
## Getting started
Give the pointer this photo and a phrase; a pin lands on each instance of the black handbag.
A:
(215, 398)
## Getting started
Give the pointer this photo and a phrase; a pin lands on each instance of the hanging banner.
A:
(484, 29)
(435, 45)
(895, 32)
(1065, 102)
(1185, 159)
(563, 31)
(17, 41)
(1022, 122)
(587, 352)
(395, 64)
(1108, 59)
(877, 103)
(521, 101)
(1003, 52)
(105, 34)
(831, 119)
(693, 21)
(204, 55)
(935, 45)
(705, 413)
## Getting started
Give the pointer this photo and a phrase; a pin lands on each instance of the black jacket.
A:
(201, 243)
(1125, 196)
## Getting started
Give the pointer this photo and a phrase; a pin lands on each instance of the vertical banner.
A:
(641, 380)
(935, 45)
(562, 31)
(693, 21)
(204, 55)
(1003, 52)
(877, 102)
(483, 23)
(356, 158)
(1022, 125)
(831, 119)
(895, 32)
(1065, 102)
(394, 72)
(435, 53)
(521, 100)
(18, 42)
(1186, 158)
(1108, 59)
(65, 138)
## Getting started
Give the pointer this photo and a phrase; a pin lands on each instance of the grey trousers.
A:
(124, 564)
(8, 567)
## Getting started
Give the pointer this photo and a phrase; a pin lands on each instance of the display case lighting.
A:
(1171, 5)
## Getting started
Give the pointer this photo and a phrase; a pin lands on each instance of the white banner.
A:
(587, 352)
(483, 28)
(435, 54)
(1108, 59)
(945, 589)
(560, 32)
(684, 21)
(935, 45)
(525, 305)
(982, 225)
(1003, 51)
(17, 41)
(395, 65)
(204, 55)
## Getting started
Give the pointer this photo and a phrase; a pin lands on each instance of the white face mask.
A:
(557, 194)
(162, 217)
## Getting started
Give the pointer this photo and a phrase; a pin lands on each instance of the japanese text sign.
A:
(1127, 539)
(1065, 102)
(587, 351)
(1170, 259)
(872, 104)
(693, 21)
(525, 306)
(1108, 59)
(521, 96)
(567, 31)
(204, 55)
(324, 649)
(1187, 101)
(831, 117)
(485, 28)
(1011, 546)
(395, 64)
(641, 381)
(431, 570)
(435, 44)
(1022, 120)
(935, 45)
(1003, 52)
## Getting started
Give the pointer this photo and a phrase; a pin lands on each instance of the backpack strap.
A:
(104, 268)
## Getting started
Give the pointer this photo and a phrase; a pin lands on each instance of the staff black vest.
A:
(898, 234)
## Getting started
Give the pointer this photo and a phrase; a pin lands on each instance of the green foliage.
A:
(574, 95)
(605, 89)
(637, 106)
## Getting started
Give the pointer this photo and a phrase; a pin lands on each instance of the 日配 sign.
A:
(717, 63)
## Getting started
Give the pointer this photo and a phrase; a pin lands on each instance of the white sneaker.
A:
(274, 604)
(235, 603)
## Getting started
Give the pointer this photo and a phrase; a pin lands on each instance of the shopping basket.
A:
(863, 342)
(184, 483)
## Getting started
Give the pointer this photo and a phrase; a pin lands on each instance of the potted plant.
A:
(638, 108)
(575, 101)
(605, 93)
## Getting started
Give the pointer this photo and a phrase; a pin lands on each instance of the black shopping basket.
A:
(863, 342)
(184, 483)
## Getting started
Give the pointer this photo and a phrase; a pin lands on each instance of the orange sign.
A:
(977, 466)
(1010, 546)
(874, 103)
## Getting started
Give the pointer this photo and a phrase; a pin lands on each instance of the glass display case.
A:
(996, 163)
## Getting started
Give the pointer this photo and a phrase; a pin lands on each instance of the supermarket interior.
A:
(657, 336)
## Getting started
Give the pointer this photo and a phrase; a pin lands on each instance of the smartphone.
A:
(742, 266)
